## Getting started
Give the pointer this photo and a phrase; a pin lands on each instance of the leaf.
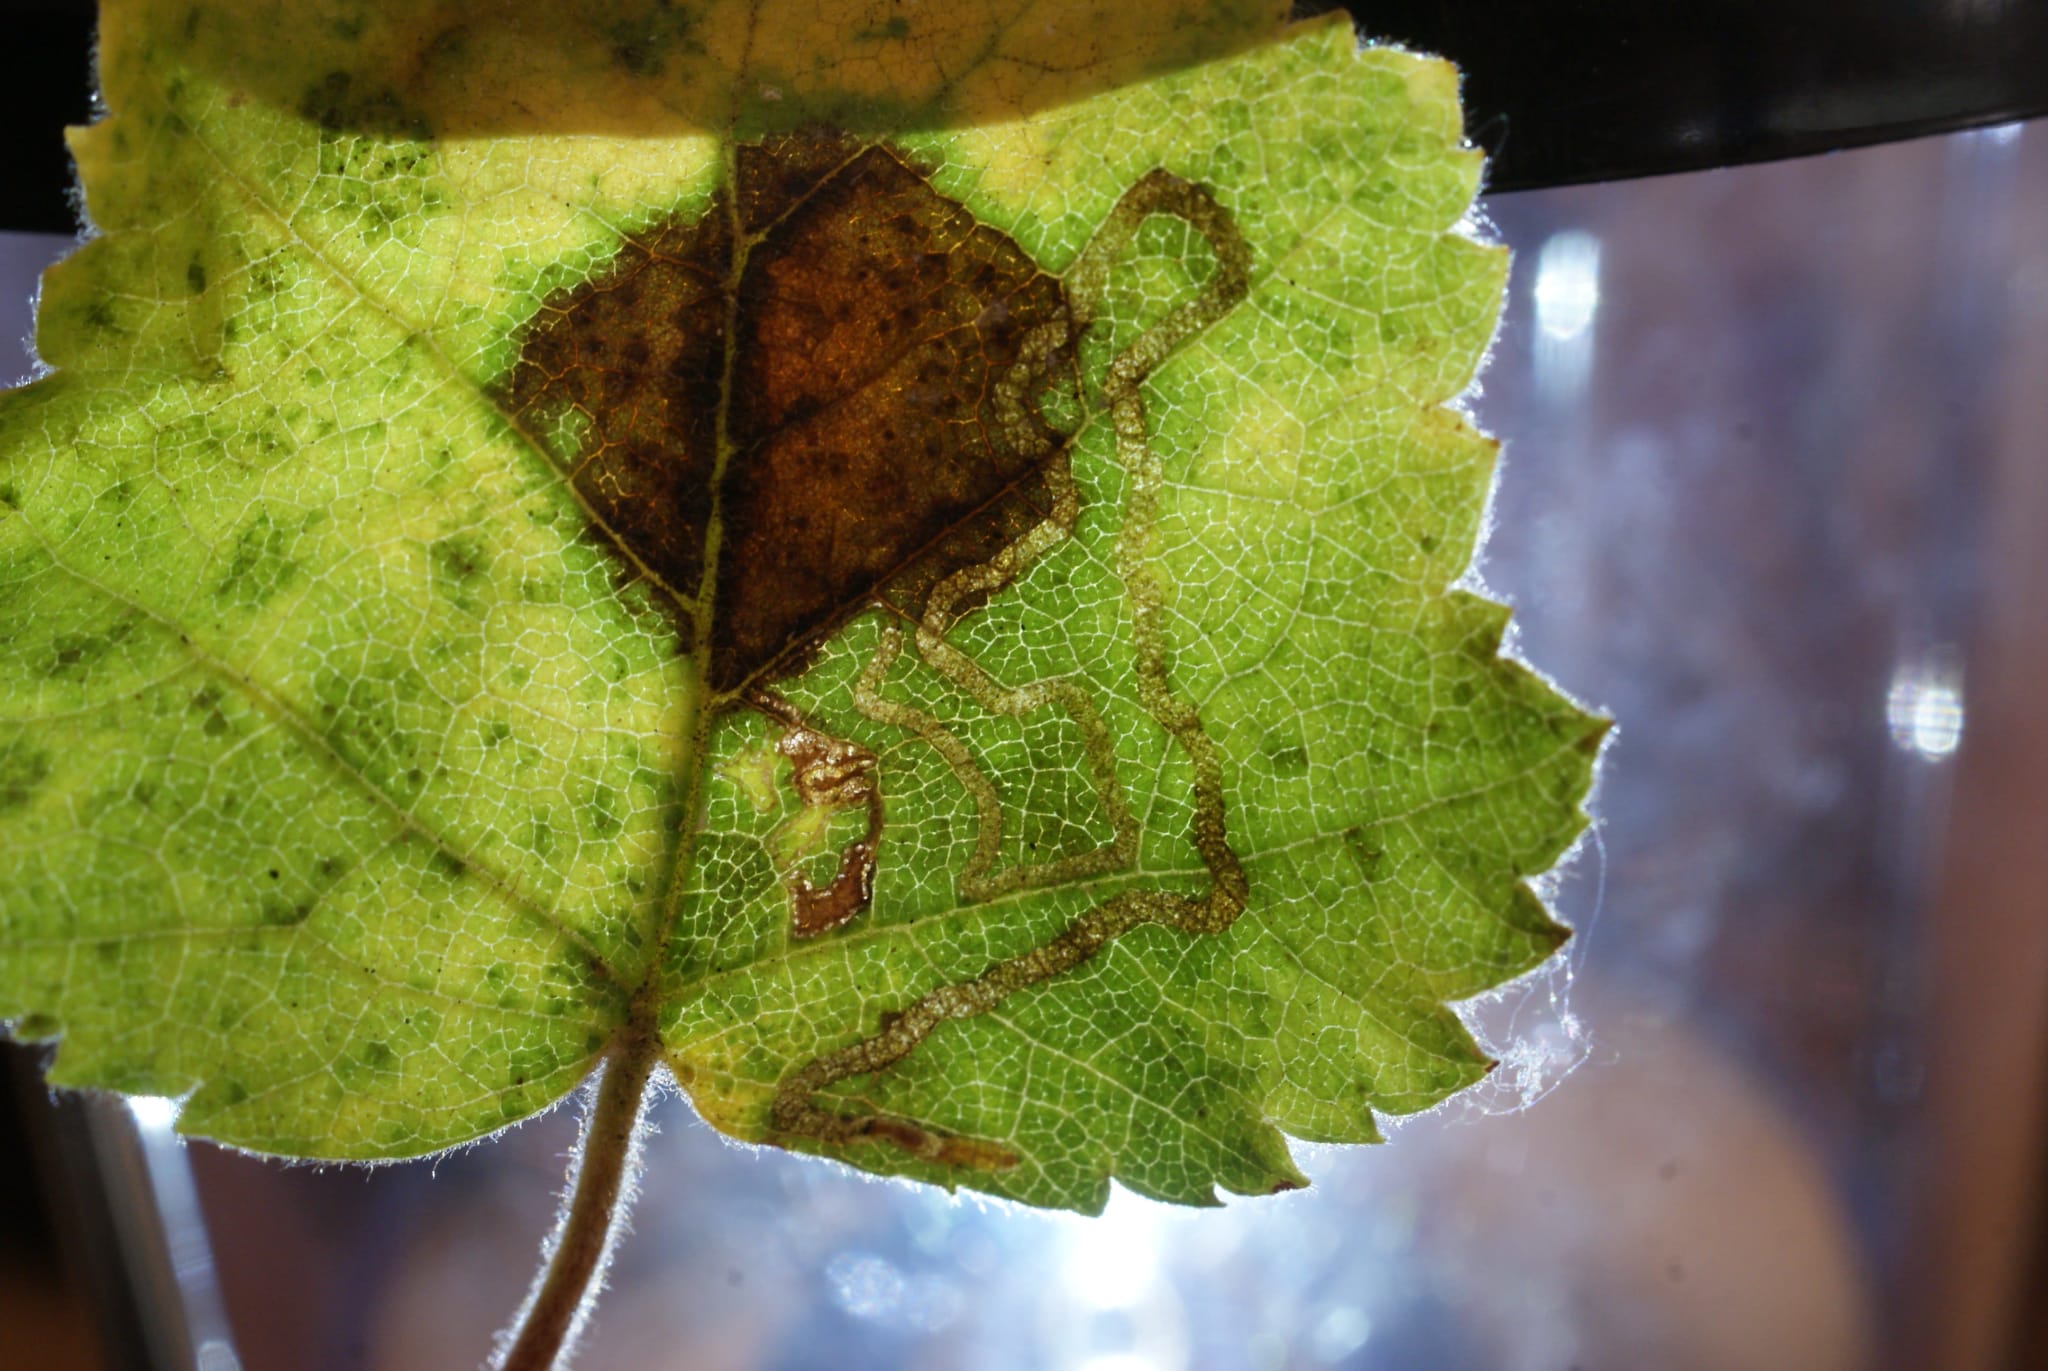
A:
(916, 578)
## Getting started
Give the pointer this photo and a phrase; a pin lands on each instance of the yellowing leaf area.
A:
(894, 560)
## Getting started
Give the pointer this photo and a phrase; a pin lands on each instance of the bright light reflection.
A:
(153, 1113)
(1925, 707)
(1119, 1361)
(216, 1355)
(1339, 1333)
(1113, 1260)
(1567, 284)
(864, 1285)
(185, 1251)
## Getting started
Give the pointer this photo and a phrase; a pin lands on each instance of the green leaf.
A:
(969, 667)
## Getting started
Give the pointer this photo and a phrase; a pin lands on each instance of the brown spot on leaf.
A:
(946, 1149)
(820, 909)
(827, 381)
(828, 771)
(831, 773)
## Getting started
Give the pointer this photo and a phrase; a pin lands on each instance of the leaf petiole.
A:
(602, 1172)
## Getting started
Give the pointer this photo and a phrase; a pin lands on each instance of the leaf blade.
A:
(411, 597)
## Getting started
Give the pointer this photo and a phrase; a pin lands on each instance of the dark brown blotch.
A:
(820, 909)
(632, 363)
(833, 360)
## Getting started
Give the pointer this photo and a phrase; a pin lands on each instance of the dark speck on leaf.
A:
(23, 769)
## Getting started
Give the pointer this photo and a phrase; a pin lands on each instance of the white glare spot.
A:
(1119, 1361)
(1567, 297)
(153, 1113)
(1113, 1260)
(1339, 1333)
(1567, 284)
(216, 1355)
(1925, 706)
(865, 1286)
(2001, 134)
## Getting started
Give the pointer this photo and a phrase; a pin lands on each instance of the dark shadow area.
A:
(1559, 91)
(652, 68)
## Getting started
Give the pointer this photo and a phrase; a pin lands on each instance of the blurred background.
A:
(1775, 496)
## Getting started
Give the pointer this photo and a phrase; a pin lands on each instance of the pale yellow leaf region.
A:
(894, 562)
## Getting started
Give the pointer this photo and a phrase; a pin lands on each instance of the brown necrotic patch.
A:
(829, 774)
(819, 392)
